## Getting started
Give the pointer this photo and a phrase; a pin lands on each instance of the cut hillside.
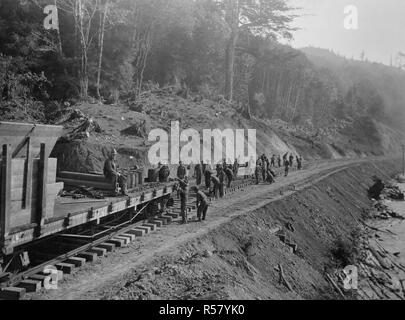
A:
(125, 127)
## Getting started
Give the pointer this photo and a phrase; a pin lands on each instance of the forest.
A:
(111, 51)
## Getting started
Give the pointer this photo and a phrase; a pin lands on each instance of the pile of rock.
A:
(392, 192)
(382, 211)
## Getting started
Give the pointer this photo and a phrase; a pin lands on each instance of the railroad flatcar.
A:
(30, 209)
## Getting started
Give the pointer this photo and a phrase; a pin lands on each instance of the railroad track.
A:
(62, 254)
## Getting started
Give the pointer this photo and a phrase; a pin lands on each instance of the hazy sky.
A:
(380, 33)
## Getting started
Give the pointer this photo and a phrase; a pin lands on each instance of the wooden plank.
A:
(5, 192)
(65, 267)
(82, 176)
(129, 235)
(28, 176)
(18, 181)
(117, 242)
(22, 143)
(41, 205)
(18, 166)
(108, 246)
(78, 183)
(89, 256)
(77, 261)
(137, 232)
(99, 251)
(12, 293)
(44, 279)
(30, 285)
(51, 190)
(14, 133)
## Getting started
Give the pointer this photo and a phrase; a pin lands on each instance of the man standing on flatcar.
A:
(111, 173)
(181, 171)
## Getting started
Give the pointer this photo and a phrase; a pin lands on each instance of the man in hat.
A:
(164, 173)
(111, 173)
(181, 171)
(229, 175)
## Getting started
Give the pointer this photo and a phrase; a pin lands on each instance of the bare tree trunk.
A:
(84, 81)
(230, 62)
(233, 21)
(103, 18)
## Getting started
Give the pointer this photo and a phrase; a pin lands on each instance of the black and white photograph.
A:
(199, 157)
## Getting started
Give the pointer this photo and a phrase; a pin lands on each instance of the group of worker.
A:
(214, 181)
(264, 166)
(215, 184)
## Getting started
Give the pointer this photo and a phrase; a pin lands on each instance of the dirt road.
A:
(106, 274)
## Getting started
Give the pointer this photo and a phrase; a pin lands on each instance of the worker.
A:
(198, 173)
(203, 167)
(222, 184)
(273, 161)
(299, 163)
(285, 157)
(201, 203)
(216, 185)
(291, 160)
(258, 170)
(183, 191)
(181, 171)
(111, 173)
(235, 168)
(263, 170)
(251, 167)
(207, 175)
(220, 173)
(279, 161)
(270, 175)
(229, 176)
(286, 167)
(164, 173)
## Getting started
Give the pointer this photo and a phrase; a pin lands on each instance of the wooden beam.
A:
(23, 142)
(42, 192)
(5, 192)
(28, 176)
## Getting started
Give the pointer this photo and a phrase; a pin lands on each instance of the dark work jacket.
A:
(201, 198)
(110, 169)
(181, 172)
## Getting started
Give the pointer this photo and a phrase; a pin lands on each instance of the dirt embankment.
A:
(239, 259)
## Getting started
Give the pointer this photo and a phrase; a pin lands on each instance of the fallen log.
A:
(335, 286)
(283, 280)
(385, 263)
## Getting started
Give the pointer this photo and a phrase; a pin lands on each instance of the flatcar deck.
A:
(73, 214)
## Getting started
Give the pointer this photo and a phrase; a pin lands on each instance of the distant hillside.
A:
(387, 82)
